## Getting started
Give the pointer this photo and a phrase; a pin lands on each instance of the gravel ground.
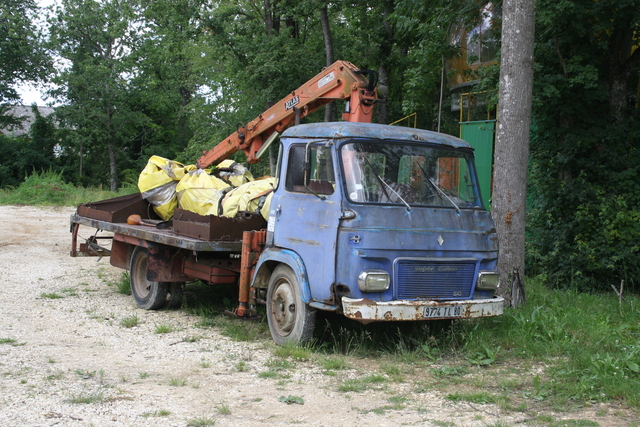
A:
(66, 359)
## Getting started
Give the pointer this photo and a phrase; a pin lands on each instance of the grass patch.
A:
(361, 384)
(210, 304)
(223, 409)
(12, 342)
(585, 347)
(48, 189)
(334, 363)
(123, 286)
(51, 295)
(268, 374)
(290, 400)
(177, 382)
(589, 343)
(130, 321)
(201, 422)
(293, 351)
(164, 328)
(158, 413)
(86, 398)
(481, 398)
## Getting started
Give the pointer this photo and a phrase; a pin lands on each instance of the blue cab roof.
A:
(346, 130)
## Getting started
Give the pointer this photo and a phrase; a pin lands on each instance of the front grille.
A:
(417, 279)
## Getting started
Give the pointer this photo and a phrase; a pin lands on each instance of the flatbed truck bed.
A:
(165, 237)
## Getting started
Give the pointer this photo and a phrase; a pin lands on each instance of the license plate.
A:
(442, 312)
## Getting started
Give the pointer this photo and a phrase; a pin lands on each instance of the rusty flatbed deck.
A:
(165, 237)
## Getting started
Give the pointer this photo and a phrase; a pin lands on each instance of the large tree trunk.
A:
(382, 110)
(113, 172)
(622, 65)
(328, 49)
(512, 144)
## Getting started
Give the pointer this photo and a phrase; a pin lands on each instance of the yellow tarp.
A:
(254, 196)
(233, 173)
(167, 184)
(157, 183)
(200, 192)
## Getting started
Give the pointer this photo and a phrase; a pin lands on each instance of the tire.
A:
(289, 318)
(149, 295)
(174, 298)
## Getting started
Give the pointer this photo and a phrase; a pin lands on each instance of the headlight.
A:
(373, 281)
(488, 280)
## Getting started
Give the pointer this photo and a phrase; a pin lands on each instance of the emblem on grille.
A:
(440, 240)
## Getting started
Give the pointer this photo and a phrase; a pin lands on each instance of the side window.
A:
(319, 177)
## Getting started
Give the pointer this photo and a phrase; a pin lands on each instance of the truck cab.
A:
(379, 223)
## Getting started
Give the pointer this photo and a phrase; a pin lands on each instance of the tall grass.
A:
(590, 343)
(48, 189)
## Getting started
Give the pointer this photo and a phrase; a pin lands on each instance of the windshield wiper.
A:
(433, 183)
(384, 184)
(396, 193)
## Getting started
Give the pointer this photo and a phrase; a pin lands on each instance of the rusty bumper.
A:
(366, 310)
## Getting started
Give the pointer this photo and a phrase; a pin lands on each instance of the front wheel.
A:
(289, 318)
(149, 295)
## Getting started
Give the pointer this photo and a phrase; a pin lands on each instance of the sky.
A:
(30, 95)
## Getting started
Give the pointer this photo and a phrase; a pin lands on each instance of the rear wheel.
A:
(149, 295)
(289, 318)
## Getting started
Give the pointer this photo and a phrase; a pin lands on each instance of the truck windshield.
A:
(409, 174)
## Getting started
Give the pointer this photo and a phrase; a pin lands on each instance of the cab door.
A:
(307, 211)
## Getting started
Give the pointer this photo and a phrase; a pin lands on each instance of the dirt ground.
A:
(67, 360)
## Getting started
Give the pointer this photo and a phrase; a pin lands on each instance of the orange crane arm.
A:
(341, 80)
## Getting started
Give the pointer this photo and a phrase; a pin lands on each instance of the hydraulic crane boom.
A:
(342, 80)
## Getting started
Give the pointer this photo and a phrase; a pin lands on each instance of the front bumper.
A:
(366, 310)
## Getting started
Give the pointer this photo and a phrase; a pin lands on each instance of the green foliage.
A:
(22, 56)
(10, 341)
(201, 422)
(584, 194)
(51, 295)
(290, 400)
(123, 286)
(26, 154)
(130, 321)
(86, 398)
(47, 188)
(588, 341)
(164, 328)
(481, 398)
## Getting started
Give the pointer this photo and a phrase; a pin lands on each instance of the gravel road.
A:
(67, 360)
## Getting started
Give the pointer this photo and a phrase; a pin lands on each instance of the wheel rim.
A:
(283, 307)
(140, 283)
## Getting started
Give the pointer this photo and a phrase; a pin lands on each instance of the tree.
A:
(257, 52)
(23, 155)
(424, 30)
(96, 39)
(22, 56)
(584, 225)
(512, 141)
(167, 71)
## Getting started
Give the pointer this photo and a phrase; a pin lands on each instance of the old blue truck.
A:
(376, 222)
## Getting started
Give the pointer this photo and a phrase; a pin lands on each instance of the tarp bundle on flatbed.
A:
(228, 190)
